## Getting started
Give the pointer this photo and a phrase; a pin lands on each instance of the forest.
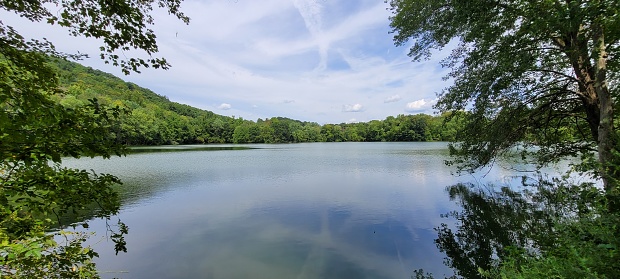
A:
(152, 119)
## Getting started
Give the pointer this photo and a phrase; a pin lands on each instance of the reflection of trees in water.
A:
(490, 221)
(549, 228)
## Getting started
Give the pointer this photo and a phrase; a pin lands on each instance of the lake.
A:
(315, 210)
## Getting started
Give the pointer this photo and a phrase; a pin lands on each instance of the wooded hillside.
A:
(152, 119)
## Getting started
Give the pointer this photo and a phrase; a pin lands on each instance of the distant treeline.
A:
(152, 119)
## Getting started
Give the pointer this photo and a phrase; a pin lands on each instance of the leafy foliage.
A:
(36, 132)
(540, 77)
(541, 73)
(121, 25)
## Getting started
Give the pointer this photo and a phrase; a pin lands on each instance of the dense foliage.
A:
(36, 132)
(540, 77)
(152, 119)
(538, 73)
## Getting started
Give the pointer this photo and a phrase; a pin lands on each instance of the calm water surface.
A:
(318, 210)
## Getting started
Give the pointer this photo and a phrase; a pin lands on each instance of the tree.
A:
(36, 132)
(529, 71)
(121, 25)
(247, 132)
(376, 131)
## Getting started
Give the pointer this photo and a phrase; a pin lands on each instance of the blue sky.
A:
(325, 61)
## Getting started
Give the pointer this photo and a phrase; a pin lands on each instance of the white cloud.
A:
(392, 99)
(421, 105)
(416, 105)
(224, 106)
(352, 120)
(311, 11)
(352, 108)
(289, 101)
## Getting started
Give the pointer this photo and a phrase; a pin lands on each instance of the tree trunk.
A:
(606, 133)
(595, 96)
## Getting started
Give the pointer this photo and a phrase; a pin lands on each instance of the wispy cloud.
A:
(260, 55)
(392, 99)
(310, 10)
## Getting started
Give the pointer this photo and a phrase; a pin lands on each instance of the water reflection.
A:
(297, 243)
(180, 148)
(304, 241)
(287, 211)
(495, 221)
